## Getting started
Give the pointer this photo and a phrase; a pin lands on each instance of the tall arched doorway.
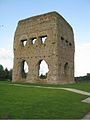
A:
(24, 69)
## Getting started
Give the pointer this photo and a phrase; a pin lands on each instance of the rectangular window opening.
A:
(24, 41)
(43, 39)
(33, 40)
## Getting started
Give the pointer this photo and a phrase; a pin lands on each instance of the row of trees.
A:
(5, 74)
(83, 78)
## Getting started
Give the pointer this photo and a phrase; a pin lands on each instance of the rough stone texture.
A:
(57, 51)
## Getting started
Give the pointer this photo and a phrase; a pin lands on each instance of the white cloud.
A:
(82, 59)
(6, 58)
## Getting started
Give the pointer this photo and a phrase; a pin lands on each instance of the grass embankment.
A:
(28, 102)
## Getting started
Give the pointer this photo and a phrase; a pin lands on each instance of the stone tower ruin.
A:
(57, 49)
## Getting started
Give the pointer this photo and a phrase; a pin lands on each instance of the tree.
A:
(5, 74)
(10, 74)
(2, 75)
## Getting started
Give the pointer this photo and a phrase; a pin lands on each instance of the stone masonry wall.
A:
(57, 51)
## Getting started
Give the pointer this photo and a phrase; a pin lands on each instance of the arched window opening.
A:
(33, 40)
(43, 69)
(43, 39)
(24, 42)
(66, 68)
(24, 69)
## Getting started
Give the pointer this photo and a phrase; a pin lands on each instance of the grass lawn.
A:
(81, 86)
(40, 103)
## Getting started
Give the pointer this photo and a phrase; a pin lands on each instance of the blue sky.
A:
(76, 12)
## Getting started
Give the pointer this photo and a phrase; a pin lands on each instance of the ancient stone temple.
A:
(49, 38)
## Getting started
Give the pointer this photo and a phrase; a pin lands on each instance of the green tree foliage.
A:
(83, 78)
(5, 74)
(1, 72)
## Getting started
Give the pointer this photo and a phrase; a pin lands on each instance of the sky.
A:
(76, 12)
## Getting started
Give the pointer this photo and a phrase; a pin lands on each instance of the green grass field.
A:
(40, 103)
(81, 86)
